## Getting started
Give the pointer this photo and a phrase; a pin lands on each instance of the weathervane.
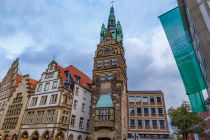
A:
(112, 2)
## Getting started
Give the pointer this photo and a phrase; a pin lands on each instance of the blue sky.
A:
(37, 30)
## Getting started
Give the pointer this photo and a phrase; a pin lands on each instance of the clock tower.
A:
(109, 104)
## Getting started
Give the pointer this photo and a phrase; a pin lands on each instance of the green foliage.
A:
(184, 121)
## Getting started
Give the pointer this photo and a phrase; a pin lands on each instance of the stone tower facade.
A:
(108, 119)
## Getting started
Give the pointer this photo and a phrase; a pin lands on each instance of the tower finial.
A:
(112, 3)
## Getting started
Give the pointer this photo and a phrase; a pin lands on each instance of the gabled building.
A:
(6, 90)
(80, 114)
(16, 106)
(48, 112)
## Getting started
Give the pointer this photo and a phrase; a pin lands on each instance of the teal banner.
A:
(181, 45)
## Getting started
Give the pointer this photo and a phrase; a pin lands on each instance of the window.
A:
(139, 123)
(34, 101)
(102, 77)
(39, 88)
(146, 111)
(77, 78)
(110, 76)
(53, 99)
(72, 120)
(131, 111)
(147, 123)
(162, 123)
(83, 107)
(43, 100)
(138, 109)
(55, 84)
(138, 99)
(114, 62)
(46, 86)
(152, 99)
(131, 99)
(107, 51)
(50, 116)
(51, 67)
(75, 104)
(132, 122)
(160, 111)
(76, 91)
(81, 120)
(159, 99)
(104, 114)
(145, 99)
(153, 111)
(154, 123)
(99, 63)
(107, 63)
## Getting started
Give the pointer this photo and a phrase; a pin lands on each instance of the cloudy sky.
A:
(37, 30)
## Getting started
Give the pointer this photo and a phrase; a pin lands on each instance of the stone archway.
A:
(71, 137)
(6, 137)
(24, 136)
(35, 136)
(60, 136)
(79, 137)
(45, 135)
(14, 137)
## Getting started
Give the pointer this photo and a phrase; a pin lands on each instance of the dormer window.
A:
(77, 78)
(107, 51)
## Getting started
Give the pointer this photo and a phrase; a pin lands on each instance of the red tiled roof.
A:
(32, 83)
(84, 79)
(17, 82)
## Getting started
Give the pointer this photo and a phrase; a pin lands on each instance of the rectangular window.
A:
(104, 114)
(147, 123)
(114, 62)
(99, 63)
(43, 100)
(159, 99)
(55, 85)
(53, 99)
(138, 109)
(72, 120)
(46, 87)
(102, 77)
(162, 123)
(154, 123)
(107, 51)
(107, 63)
(139, 123)
(146, 111)
(153, 111)
(138, 99)
(76, 91)
(39, 88)
(131, 110)
(81, 122)
(132, 122)
(75, 104)
(131, 99)
(152, 99)
(34, 101)
(145, 99)
(110, 76)
(83, 107)
(160, 111)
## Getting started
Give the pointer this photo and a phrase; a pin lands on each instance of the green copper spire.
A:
(111, 21)
(119, 32)
(103, 31)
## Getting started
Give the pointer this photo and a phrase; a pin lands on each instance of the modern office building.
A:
(147, 116)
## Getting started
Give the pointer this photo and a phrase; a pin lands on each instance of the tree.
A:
(184, 121)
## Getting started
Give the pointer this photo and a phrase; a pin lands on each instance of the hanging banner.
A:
(181, 45)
